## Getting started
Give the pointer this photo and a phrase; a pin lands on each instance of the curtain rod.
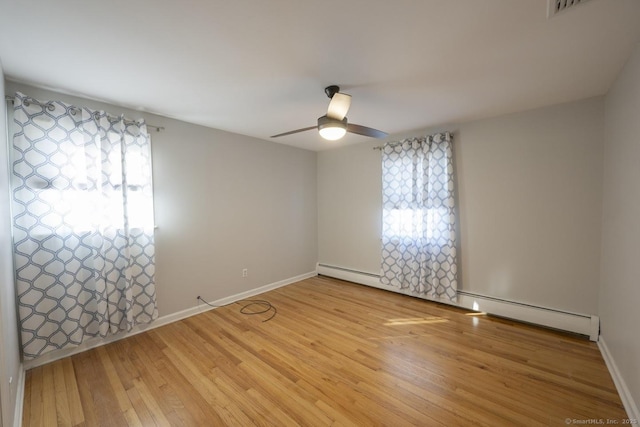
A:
(9, 98)
(393, 144)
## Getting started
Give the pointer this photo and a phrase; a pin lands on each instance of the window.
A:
(83, 224)
(418, 224)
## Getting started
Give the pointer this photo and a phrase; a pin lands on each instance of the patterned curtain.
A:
(418, 220)
(83, 224)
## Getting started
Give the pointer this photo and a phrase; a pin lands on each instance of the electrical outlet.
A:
(245, 272)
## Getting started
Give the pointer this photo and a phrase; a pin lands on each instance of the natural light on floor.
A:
(475, 316)
(415, 321)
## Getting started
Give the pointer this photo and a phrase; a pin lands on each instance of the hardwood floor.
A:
(335, 354)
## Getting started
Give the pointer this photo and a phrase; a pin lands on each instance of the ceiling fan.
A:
(333, 125)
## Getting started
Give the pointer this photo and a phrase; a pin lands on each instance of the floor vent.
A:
(557, 6)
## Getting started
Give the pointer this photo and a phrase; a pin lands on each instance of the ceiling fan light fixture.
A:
(333, 125)
(332, 129)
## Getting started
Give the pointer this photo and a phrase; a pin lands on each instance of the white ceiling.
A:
(259, 67)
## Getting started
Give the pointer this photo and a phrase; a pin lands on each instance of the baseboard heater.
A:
(582, 324)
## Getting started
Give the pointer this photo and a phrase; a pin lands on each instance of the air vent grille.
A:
(557, 6)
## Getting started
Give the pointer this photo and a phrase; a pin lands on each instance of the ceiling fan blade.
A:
(339, 106)
(363, 130)
(294, 131)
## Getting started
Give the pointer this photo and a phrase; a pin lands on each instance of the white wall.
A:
(9, 351)
(620, 279)
(223, 202)
(529, 196)
(350, 207)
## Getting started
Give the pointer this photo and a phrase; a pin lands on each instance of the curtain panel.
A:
(418, 220)
(83, 224)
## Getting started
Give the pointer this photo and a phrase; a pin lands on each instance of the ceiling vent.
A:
(555, 7)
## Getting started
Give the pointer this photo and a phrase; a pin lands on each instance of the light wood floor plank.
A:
(99, 401)
(336, 354)
(49, 396)
(121, 394)
(73, 396)
(35, 406)
(61, 395)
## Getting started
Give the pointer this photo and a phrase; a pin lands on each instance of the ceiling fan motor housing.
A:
(325, 121)
(331, 90)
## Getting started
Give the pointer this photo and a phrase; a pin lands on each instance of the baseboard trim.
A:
(201, 307)
(625, 395)
(369, 279)
(17, 414)
(161, 321)
(583, 324)
(350, 275)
